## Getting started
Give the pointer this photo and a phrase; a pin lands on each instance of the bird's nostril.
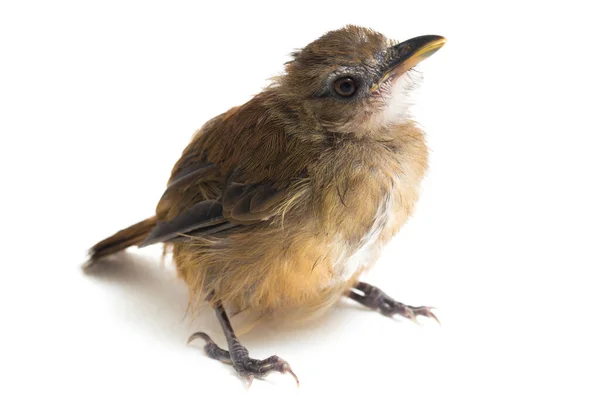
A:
(405, 50)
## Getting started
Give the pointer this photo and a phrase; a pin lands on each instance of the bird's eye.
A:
(345, 87)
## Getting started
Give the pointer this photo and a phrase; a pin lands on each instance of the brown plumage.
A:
(131, 236)
(279, 204)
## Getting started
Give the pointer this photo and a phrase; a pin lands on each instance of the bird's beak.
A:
(406, 55)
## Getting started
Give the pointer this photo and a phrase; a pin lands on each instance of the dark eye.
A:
(345, 87)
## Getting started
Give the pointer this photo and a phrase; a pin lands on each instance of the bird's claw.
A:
(248, 368)
(393, 308)
(376, 299)
(249, 380)
(261, 368)
(425, 312)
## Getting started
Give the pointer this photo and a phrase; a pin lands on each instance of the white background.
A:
(98, 101)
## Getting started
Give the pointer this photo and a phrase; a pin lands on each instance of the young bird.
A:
(281, 203)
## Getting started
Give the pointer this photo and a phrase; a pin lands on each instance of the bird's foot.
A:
(248, 368)
(376, 299)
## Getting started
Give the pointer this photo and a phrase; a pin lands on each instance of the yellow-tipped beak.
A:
(406, 55)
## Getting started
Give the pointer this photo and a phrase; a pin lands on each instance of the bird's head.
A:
(355, 80)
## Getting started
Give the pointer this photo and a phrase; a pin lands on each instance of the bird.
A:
(280, 204)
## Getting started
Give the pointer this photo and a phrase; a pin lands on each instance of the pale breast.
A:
(392, 212)
(383, 191)
(354, 257)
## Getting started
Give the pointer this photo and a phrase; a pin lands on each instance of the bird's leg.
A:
(246, 367)
(374, 298)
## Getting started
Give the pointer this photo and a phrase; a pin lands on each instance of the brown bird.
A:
(278, 205)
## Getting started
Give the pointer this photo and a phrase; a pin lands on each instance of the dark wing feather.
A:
(182, 180)
(201, 215)
(241, 204)
(205, 198)
(189, 236)
(251, 203)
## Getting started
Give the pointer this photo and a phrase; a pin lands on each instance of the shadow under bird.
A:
(278, 205)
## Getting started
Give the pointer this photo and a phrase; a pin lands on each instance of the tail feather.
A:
(121, 240)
